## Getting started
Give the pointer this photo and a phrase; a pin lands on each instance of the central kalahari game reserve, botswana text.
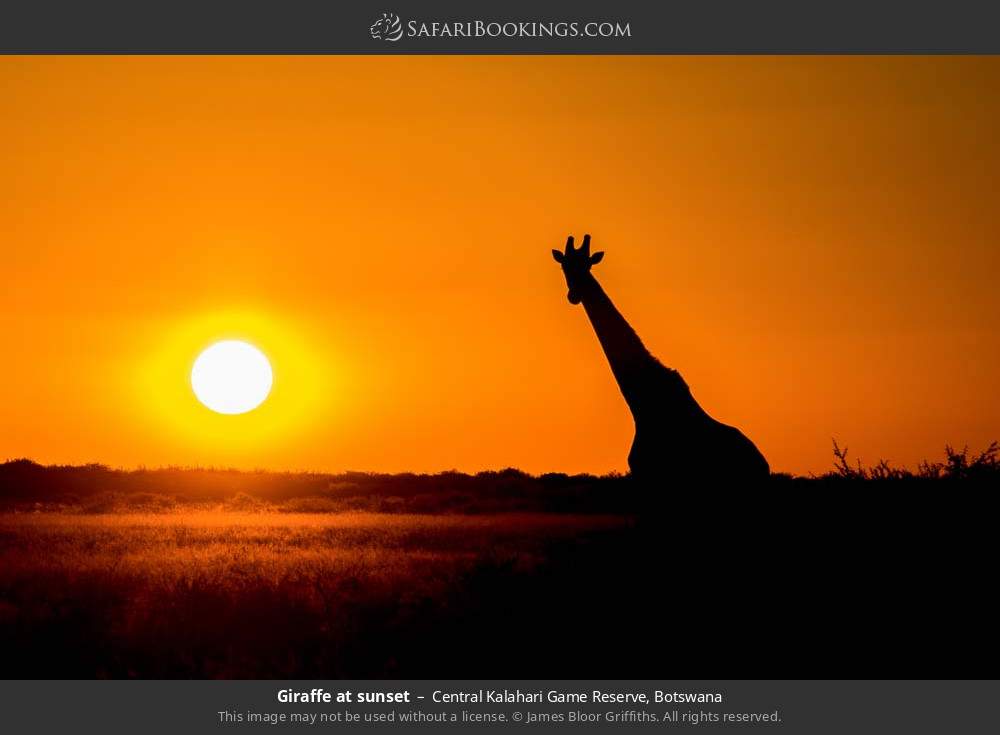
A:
(498, 696)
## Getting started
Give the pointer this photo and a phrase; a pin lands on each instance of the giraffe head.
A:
(576, 264)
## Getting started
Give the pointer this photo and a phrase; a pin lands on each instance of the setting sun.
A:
(231, 377)
(811, 242)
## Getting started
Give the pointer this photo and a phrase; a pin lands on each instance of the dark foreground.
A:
(820, 579)
(720, 589)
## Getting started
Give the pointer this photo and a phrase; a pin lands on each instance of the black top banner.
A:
(511, 27)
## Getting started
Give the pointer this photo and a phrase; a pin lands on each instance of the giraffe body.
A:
(674, 437)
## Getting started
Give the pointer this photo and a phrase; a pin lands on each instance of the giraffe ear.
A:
(597, 257)
(557, 255)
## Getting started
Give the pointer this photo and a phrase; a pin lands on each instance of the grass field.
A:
(177, 573)
(230, 594)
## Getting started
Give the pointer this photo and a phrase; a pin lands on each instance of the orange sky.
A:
(814, 243)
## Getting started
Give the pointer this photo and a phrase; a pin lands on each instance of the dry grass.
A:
(257, 594)
(208, 573)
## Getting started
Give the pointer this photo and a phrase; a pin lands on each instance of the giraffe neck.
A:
(630, 361)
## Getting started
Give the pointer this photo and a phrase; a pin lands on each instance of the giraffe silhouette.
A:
(674, 437)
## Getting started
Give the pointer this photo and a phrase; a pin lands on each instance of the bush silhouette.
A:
(981, 468)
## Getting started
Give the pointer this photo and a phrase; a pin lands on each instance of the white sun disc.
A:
(231, 377)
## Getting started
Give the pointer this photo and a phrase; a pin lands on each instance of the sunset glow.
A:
(811, 241)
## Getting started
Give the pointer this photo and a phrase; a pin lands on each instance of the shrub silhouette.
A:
(95, 488)
(981, 468)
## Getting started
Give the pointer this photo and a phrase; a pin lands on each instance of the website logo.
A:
(387, 28)
(390, 28)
